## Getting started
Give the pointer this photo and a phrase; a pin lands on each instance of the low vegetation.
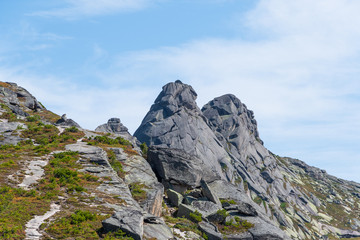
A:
(79, 225)
(235, 225)
(137, 191)
(18, 206)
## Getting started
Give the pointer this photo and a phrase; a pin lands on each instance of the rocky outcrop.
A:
(129, 221)
(212, 164)
(175, 122)
(113, 125)
(18, 99)
(66, 122)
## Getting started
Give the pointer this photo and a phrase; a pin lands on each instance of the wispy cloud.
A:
(298, 72)
(75, 9)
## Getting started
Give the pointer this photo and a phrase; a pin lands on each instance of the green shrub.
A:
(137, 191)
(144, 149)
(72, 129)
(195, 216)
(32, 118)
(81, 216)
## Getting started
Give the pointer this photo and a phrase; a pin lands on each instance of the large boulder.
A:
(67, 122)
(128, 220)
(176, 167)
(113, 125)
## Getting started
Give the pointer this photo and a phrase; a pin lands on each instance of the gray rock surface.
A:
(209, 194)
(128, 220)
(175, 167)
(138, 170)
(113, 125)
(263, 230)
(174, 197)
(64, 121)
(18, 98)
(155, 228)
(175, 122)
(210, 230)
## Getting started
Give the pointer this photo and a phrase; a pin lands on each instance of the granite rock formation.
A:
(209, 166)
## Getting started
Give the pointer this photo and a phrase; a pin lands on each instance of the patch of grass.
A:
(227, 201)
(115, 164)
(196, 217)
(183, 224)
(257, 200)
(137, 191)
(105, 141)
(18, 206)
(235, 226)
(117, 235)
(61, 172)
(79, 225)
(144, 149)
(10, 116)
(283, 206)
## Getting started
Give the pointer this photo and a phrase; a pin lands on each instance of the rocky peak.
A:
(113, 125)
(226, 114)
(175, 121)
(18, 99)
(174, 96)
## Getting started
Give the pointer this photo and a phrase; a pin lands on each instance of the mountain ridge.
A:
(208, 165)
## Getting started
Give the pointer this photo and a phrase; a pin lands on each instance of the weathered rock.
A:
(175, 122)
(155, 228)
(206, 208)
(185, 210)
(113, 125)
(64, 121)
(210, 230)
(242, 208)
(264, 231)
(139, 171)
(217, 217)
(128, 220)
(239, 236)
(208, 193)
(18, 98)
(175, 198)
(175, 167)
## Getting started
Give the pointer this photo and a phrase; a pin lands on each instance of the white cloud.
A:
(75, 9)
(299, 74)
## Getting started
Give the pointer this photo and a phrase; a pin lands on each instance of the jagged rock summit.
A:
(113, 125)
(176, 129)
(205, 175)
(221, 146)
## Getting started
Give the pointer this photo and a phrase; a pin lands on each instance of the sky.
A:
(294, 63)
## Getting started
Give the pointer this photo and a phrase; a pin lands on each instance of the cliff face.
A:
(284, 190)
(205, 175)
(175, 122)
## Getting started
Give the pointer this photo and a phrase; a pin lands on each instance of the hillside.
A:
(187, 173)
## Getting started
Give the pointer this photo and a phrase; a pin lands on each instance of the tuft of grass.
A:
(237, 226)
(229, 201)
(79, 225)
(115, 164)
(137, 191)
(119, 234)
(196, 217)
(257, 200)
(144, 149)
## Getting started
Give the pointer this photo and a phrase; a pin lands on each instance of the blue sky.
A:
(295, 63)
